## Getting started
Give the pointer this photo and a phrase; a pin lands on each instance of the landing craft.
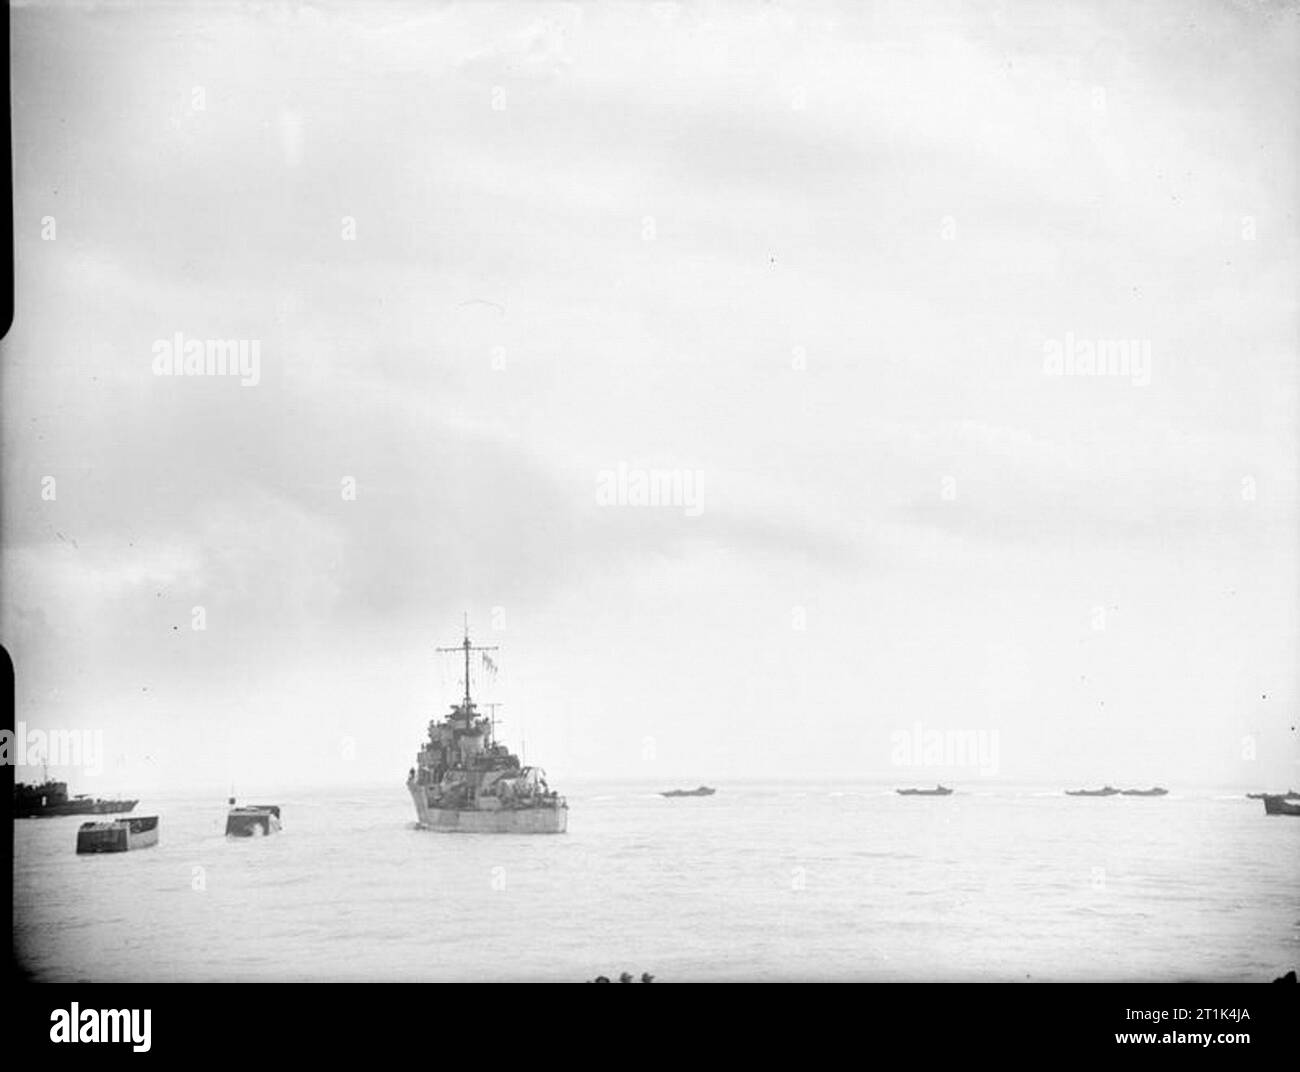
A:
(1279, 805)
(119, 835)
(252, 820)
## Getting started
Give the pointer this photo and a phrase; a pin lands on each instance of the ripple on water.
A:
(764, 882)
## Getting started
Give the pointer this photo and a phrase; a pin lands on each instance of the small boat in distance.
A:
(118, 835)
(937, 791)
(1279, 805)
(1154, 791)
(252, 820)
(1290, 794)
(1104, 791)
(700, 791)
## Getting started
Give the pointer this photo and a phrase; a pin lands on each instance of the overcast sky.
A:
(818, 255)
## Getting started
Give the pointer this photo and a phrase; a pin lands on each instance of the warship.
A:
(465, 781)
(51, 799)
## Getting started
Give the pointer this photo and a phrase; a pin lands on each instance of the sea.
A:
(760, 882)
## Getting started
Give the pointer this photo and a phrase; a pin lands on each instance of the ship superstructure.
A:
(465, 780)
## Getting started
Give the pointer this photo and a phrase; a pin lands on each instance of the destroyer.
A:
(464, 780)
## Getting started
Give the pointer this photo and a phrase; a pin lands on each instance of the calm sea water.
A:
(760, 882)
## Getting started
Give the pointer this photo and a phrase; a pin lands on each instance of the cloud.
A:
(620, 266)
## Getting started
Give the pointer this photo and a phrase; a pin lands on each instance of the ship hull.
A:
(252, 824)
(121, 835)
(1277, 805)
(499, 821)
(72, 807)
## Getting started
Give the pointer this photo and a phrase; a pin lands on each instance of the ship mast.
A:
(467, 647)
(492, 721)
